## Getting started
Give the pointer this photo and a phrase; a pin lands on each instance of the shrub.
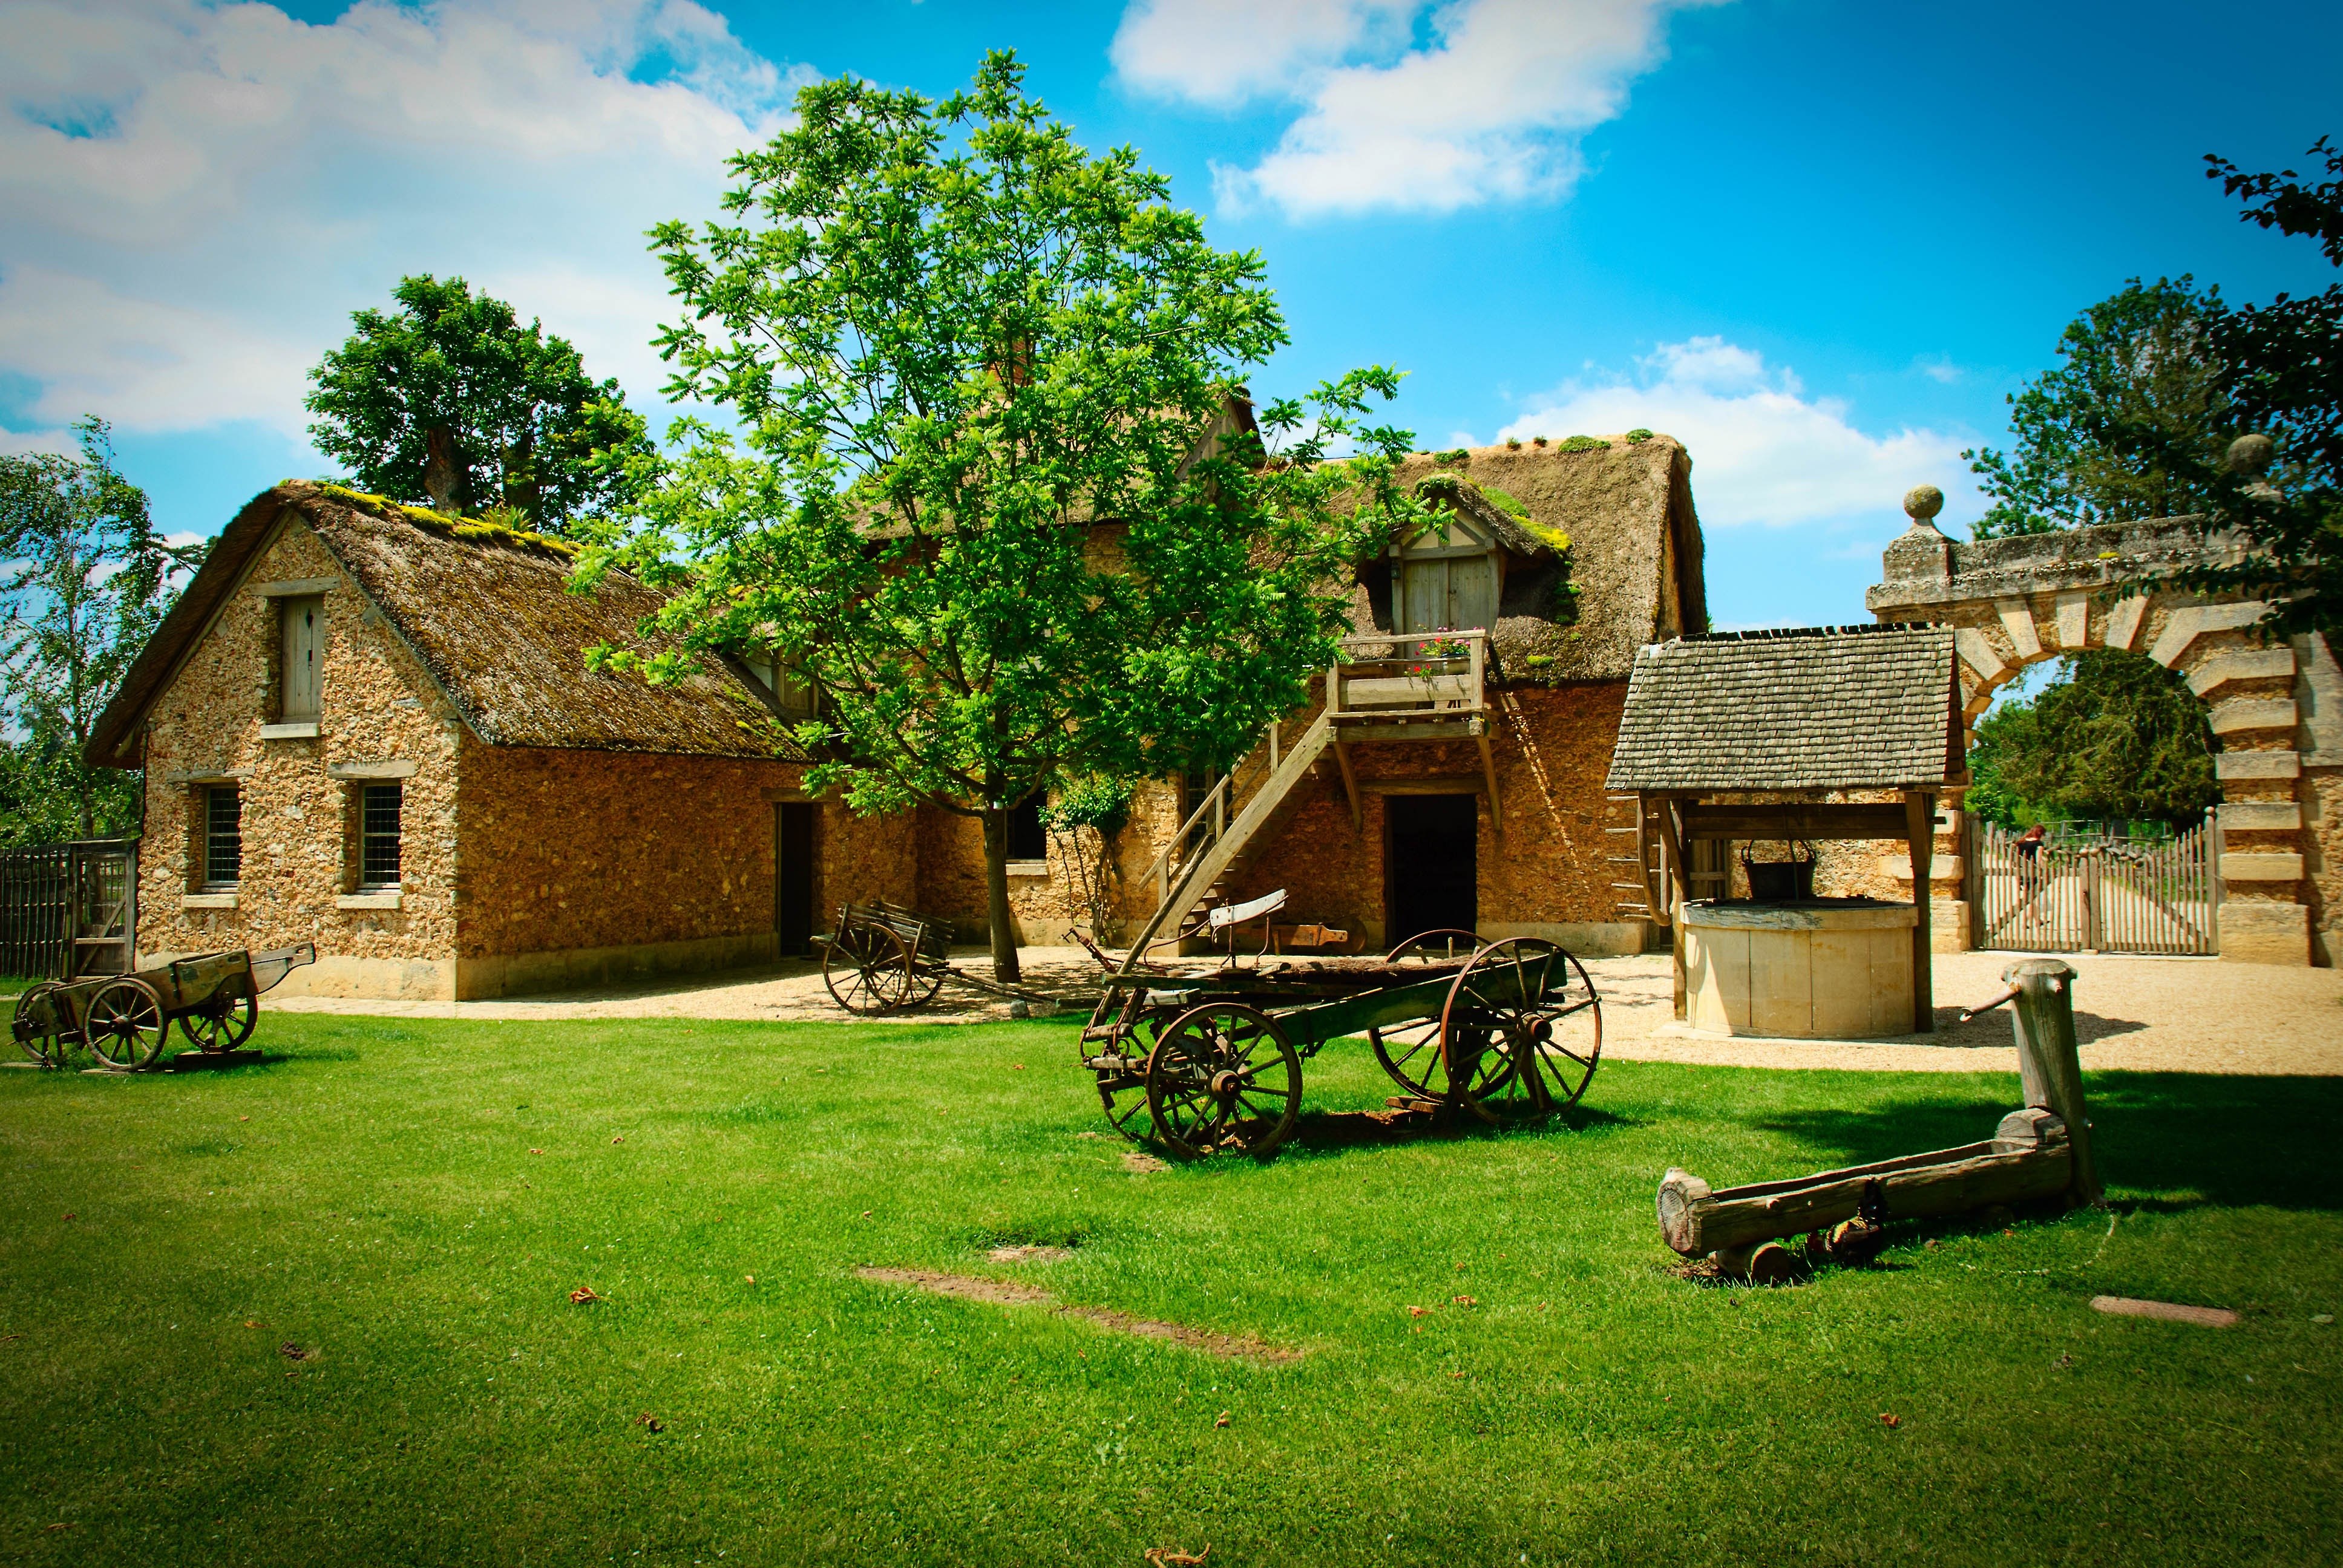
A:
(1454, 455)
(1585, 444)
(1637, 437)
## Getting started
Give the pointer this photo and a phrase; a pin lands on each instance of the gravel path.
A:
(2147, 1015)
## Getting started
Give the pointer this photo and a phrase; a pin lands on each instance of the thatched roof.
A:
(1822, 708)
(487, 612)
(1619, 524)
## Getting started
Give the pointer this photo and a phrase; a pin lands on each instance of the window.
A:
(302, 624)
(223, 836)
(785, 681)
(1028, 839)
(379, 808)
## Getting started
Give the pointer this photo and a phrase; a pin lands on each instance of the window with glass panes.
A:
(223, 836)
(378, 811)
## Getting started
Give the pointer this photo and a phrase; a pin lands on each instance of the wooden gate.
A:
(69, 909)
(2098, 892)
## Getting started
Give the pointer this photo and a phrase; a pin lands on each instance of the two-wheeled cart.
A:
(124, 1019)
(1214, 1059)
(884, 957)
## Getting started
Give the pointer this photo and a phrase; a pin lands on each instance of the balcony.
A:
(1420, 685)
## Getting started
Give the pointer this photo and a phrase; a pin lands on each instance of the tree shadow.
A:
(2185, 1138)
(1332, 1132)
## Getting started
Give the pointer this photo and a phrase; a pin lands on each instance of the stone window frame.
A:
(358, 779)
(202, 833)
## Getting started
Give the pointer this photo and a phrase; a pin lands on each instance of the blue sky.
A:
(1818, 241)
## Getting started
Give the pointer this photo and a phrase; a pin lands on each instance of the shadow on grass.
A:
(1331, 1132)
(2230, 1140)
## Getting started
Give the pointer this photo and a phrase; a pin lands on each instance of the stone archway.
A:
(2277, 709)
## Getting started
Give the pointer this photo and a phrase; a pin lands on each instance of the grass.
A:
(371, 1195)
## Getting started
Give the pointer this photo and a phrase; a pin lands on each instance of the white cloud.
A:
(1762, 451)
(198, 196)
(1491, 108)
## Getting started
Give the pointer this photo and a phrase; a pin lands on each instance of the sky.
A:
(1819, 242)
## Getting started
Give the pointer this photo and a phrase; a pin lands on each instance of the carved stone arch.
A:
(2274, 707)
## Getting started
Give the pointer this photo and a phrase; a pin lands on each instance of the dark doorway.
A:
(1430, 875)
(793, 876)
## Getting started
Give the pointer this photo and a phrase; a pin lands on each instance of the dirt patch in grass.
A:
(1003, 1292)
(1139, 1164)
(1030, 1254)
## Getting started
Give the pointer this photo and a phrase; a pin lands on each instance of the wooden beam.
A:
(1425, 784)
(1350, 785)
(1671, 857)
(1920, 834)
(1489, 767)
(1795, 821)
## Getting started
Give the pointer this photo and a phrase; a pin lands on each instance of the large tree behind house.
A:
(992, 496)
(449, 400)
(87, 581)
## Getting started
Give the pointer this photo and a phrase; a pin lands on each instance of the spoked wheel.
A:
(42, 1024)
(867, 970)
(921, 985)
(224, 1024)
(123, 1024)
(1410, 1052)
(1122, 1088)
(1523, 1029)
(1224, 1076)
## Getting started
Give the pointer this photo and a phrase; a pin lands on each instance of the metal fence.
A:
(2099, 890)
(69, 909)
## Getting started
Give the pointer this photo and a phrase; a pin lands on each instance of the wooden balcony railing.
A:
(1410, 677)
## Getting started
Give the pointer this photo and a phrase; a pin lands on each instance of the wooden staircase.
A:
(1209, 854)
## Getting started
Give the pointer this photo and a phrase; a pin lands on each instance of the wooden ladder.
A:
(1221, 861)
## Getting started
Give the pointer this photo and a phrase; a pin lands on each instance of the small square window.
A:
(1029, 839)
(223, 838)
(378, 813)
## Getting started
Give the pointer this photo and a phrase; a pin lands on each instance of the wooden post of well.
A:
(2048, 1062)
(1920, 834)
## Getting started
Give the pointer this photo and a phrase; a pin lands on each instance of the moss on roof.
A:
(478, 529)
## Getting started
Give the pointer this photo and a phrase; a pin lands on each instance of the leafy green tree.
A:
(2286, 381)
(449, 400)
(87, 581)
(2117, 738)
(2133, 425)
(971, 501)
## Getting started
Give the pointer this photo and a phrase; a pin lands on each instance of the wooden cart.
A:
(1215, 1059)
(124, 1019)
(884, 957)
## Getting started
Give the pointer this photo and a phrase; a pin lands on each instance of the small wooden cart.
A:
(1214, 1059)
(124, 1019)
(884, 959)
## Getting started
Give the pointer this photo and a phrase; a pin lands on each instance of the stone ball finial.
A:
(1922, 503)
(2249, 454)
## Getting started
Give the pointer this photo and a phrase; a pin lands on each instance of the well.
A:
(1817, 968)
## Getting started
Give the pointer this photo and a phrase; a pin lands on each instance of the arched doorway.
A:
(2276, 708)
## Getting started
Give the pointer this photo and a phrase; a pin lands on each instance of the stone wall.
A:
(377, 706)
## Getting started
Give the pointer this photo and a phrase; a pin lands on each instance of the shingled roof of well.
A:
(1827, 708)
(486, 610)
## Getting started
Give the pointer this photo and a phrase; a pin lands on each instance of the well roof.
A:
(486, 610)
(1633, 554)
(1825, 708)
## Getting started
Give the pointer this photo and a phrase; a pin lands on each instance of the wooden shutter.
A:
(304, 644)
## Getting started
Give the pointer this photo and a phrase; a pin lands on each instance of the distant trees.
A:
(86, 581)
(449, 401)
(2118, 738)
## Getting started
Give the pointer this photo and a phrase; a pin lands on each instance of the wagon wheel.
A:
(44, 1025)
(223, 1024)
(922, 980)
(1224, 1076)
(1122, 1091)
(1523, 1029)
(123, 1024)
(1410, 1052)
(867, 970)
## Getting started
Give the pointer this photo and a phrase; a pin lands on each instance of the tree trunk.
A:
(996, 896)
(439, 475)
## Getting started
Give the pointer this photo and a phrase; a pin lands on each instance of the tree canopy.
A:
(2117, 737)
(983, 498)
(449, 401)
(87, 581)
(2096, 440)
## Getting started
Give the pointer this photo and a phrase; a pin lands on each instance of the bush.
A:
(1637, 437)
(1585, 444)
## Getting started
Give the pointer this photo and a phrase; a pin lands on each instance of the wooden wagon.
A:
(1214, 1061)
(124, 1019)
(884, 957)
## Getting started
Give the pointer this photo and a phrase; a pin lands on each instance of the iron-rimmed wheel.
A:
(1522, 1028)
(225, 1023)
(1410, 1052)
(1224, 1076)
(867, 970)
(1122, 1089)
(42, 1024)
(123, 1024)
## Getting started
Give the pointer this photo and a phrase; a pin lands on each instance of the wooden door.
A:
(304, 631)
(1447, 592)
(793, 849)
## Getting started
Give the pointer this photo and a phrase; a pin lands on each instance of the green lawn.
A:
(373, 1195)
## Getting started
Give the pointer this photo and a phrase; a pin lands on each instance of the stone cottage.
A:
(371, 727)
